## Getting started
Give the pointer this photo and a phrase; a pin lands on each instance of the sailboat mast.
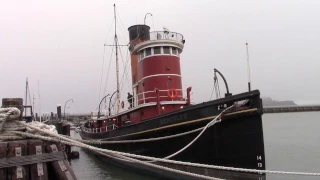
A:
(25, 103)
(33, 103)
(117, 62)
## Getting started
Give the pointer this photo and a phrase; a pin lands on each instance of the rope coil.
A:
(8, 125)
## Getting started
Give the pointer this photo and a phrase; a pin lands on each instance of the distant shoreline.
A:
(267, 101)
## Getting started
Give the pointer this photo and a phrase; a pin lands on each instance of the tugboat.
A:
(159, 107)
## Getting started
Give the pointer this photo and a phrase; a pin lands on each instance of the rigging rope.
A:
(109, 31)
(214, 85)
(102, 67)
(124, 29)
(105, 87)
(104, 49)
(215, 88)
(218, 88)
(125, 72)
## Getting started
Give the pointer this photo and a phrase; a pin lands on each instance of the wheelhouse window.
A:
(148, 52)
(157, 50)
(166, 50)
(174, 51)
(141, 54)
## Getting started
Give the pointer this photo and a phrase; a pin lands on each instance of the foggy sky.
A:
(60, 44)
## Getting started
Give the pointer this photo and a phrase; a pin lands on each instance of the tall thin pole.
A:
(248, 66)
(39, 101)
(117, 63)
(33, 108)
(25, 104)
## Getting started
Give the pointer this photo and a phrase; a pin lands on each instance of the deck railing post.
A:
(188, 96)
(144, 100)
(158, 100)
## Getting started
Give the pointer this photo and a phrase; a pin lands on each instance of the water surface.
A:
(292, 143)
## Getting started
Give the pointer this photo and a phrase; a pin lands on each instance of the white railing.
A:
(151, 96)
(157, 35)
(145, 98)
(148, 97)
(98, 130)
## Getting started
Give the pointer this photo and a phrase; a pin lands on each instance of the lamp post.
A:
(64, 109)
(146, 17)
(100, 104)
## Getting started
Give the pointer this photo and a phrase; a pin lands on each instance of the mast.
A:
(39, 101)
(33, 103)
(117, 62)
(248, 66)
(25, 103)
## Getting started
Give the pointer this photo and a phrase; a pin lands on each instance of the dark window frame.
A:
(148, 49)
(166, 48)
(141, 54)
(174, 49)
(158, 48)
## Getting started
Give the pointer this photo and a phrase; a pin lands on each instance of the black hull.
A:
(161, 174)
(235, 142)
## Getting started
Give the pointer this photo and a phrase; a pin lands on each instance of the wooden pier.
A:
(298, 108)
(30, 159)
(34, 159)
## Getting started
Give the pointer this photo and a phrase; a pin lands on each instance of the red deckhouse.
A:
(156, 78)
(156, 74)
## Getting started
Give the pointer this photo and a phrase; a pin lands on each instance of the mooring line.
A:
(131, 157)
